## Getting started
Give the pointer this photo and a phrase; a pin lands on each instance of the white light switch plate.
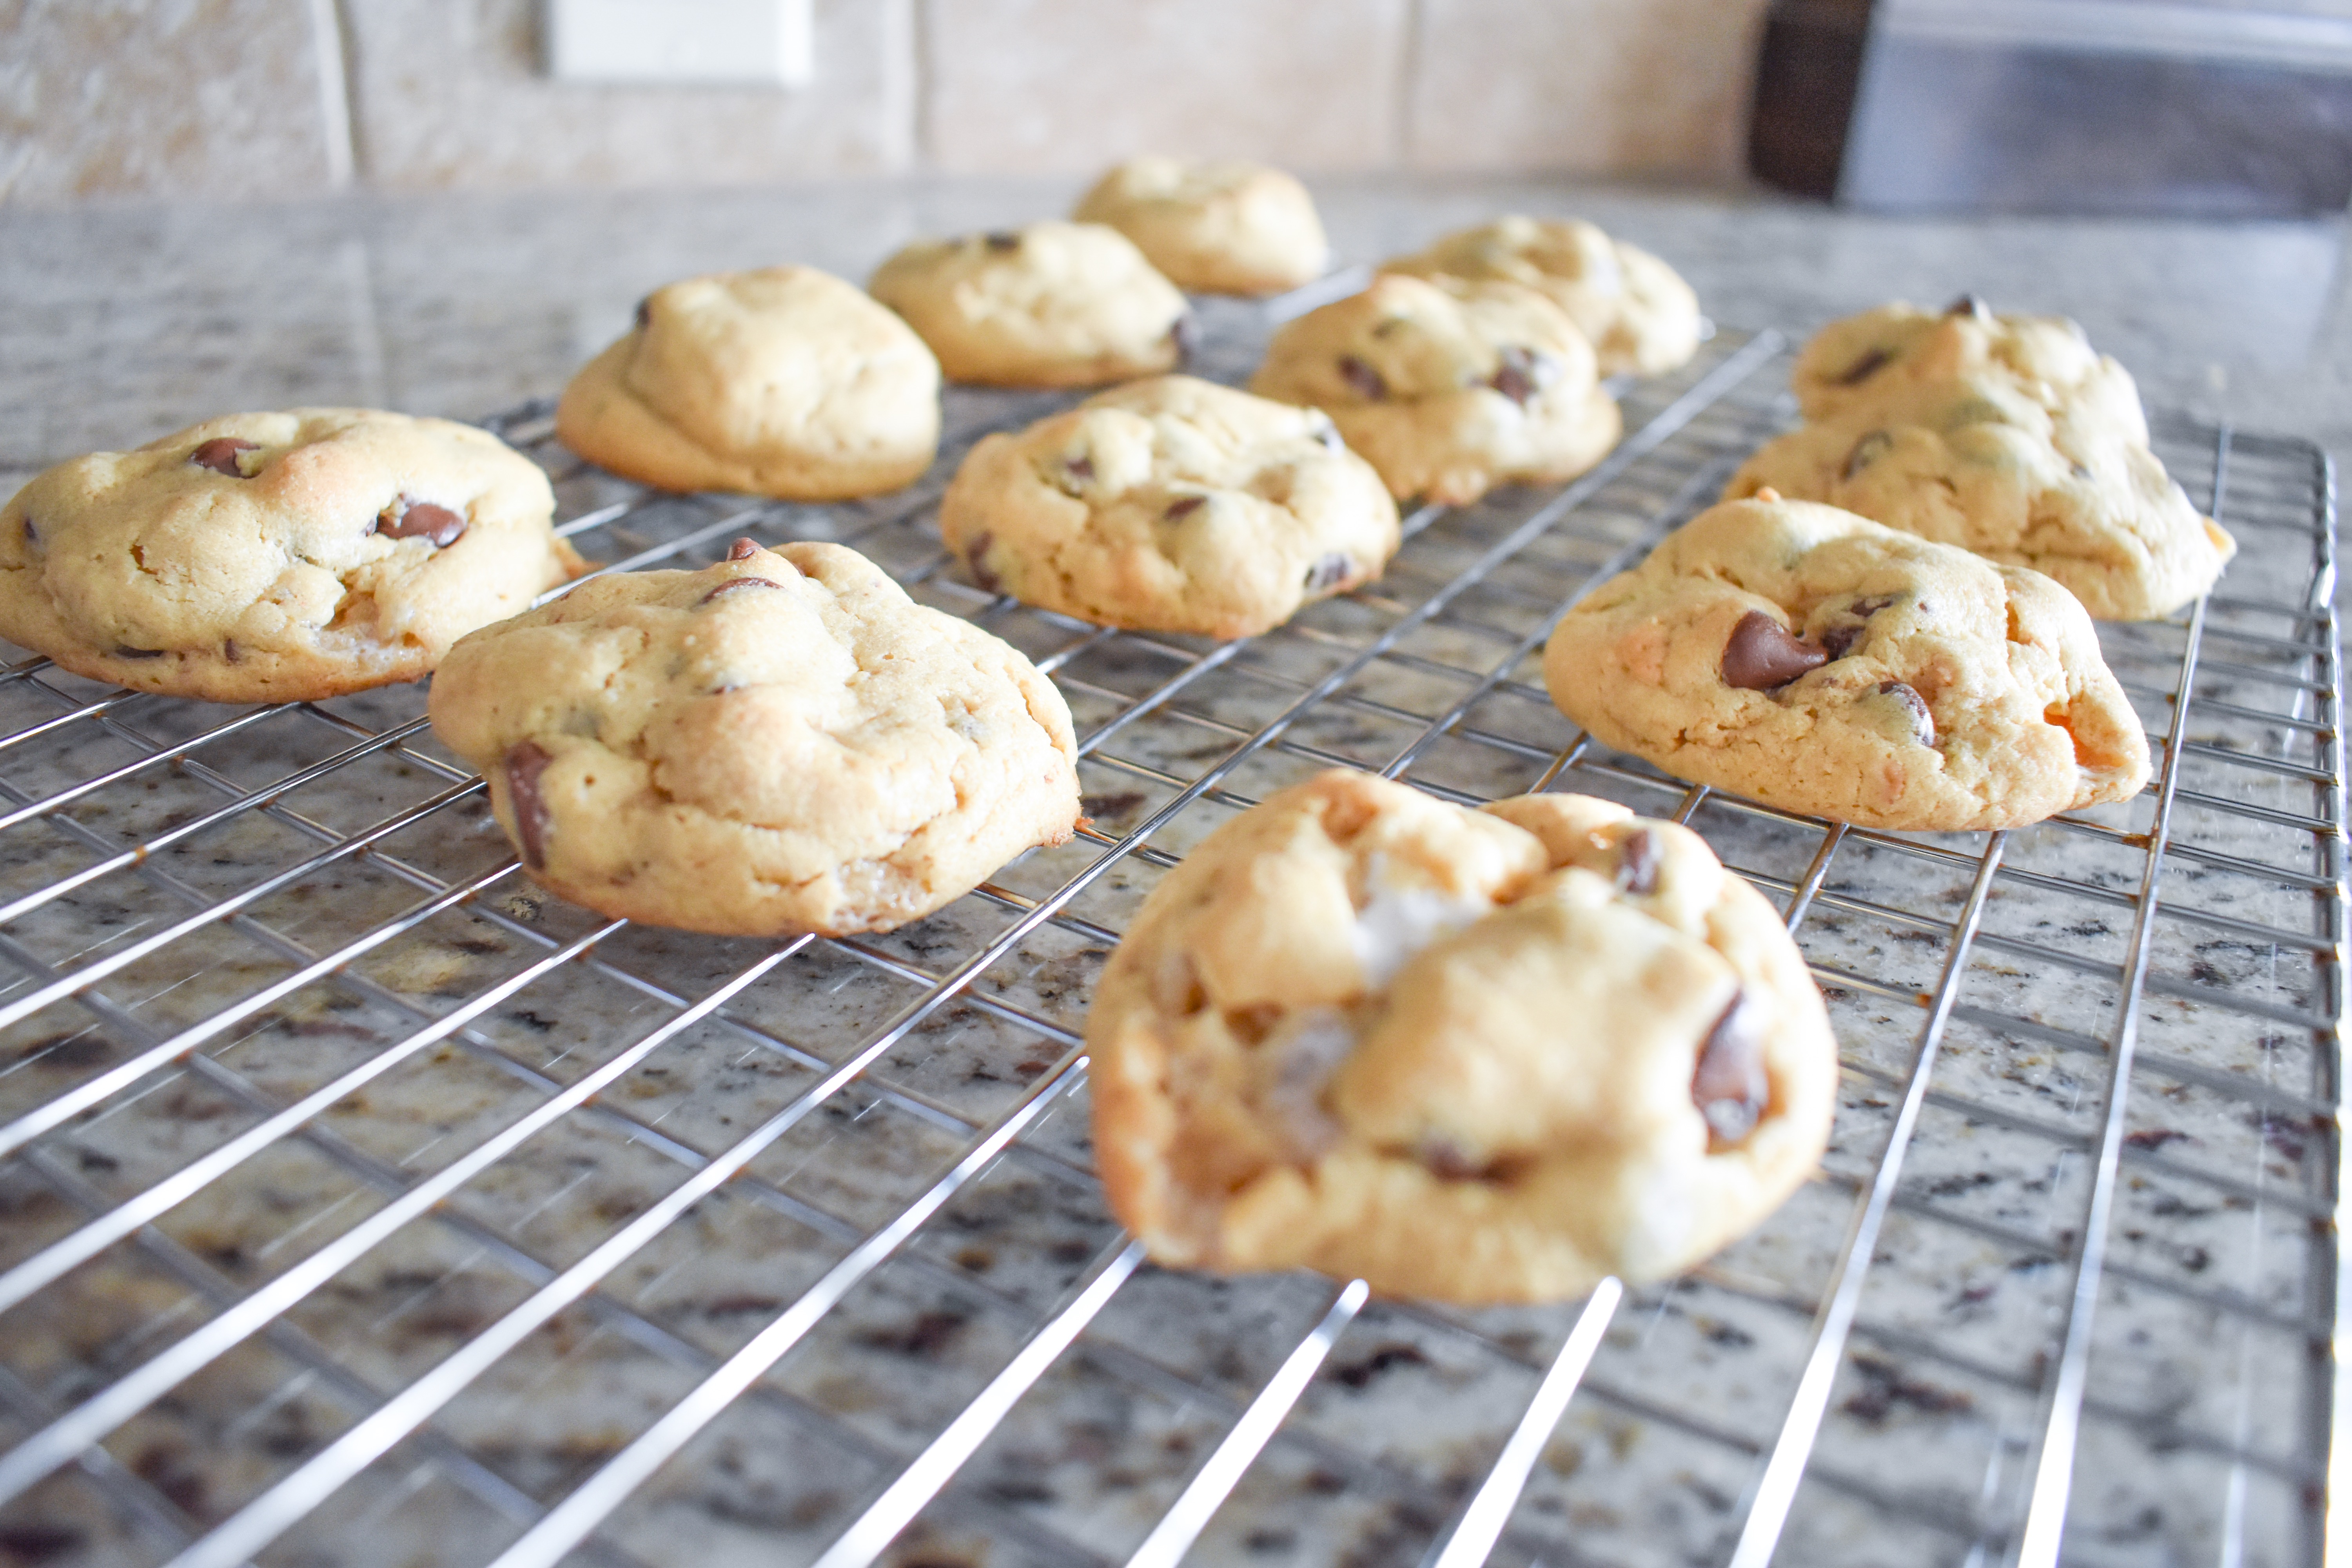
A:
(739, 41)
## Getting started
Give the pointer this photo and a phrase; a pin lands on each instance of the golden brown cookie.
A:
(1054, 304)
(1448, 388)
(277, 557)
(1810, 659)
(1479, 1055)
(784, 382)
(1171, 505)
(1215, 227)
(781, 742)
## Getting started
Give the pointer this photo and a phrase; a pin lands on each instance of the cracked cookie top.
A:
(1637, 311)
(272, 557)
(1171, 504)
(2007, 436)
(1448, 388)
(781, 742)
(1481, 1055)
(1810, 659)
(1219, 227)
(1054, 304)
(781, 382)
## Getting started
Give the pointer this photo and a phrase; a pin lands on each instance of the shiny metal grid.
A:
(362, 1203)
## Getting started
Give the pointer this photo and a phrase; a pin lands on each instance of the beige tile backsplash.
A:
(260, 98)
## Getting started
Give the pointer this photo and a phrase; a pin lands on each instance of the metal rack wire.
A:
(362, 1205)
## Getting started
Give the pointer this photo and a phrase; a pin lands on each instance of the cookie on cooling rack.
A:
(2007, 436)
(1479, 1055)
(1448, 388)
(781, 742)
(1810, 659)
(1054, 304)
(1640, 314)
(277, 557)
(1217, 227)
(1174, 505)
(784, 382)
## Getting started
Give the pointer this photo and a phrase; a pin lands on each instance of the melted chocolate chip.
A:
(1866, 451)
(409, 518)
(1869, 604)
(1729, 1086)
(732, 583)
(1000, 239)
(1445, 1158)
(1184, 506)
(533, 821)
(1968, 305)
(1363, 378)
(1185, 334)
(1524, 374)
(231, 652)
(742, 550)
(1838, 641)
(124, 650)
(1862, 369)
(219, 455)
(1762, 655)
(1915, 707)
(1637, 862)
(644, 312)
(1328, 571)
(976, 559)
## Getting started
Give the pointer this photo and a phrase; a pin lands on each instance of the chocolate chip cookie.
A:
(2007, 436)
(1171, 504)
(1640, 314)
(781, 742)
(784, 382)
(277, 557)
(1054, 304)
(1479, 1055)
(1213, 227)
(1448, 388)
(1810, 659)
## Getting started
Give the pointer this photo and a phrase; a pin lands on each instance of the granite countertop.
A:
(121, 322)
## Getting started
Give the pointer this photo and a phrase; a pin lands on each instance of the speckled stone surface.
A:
(119, 324)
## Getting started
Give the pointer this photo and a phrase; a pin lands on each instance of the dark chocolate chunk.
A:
(532, 822)
(1637, 862)
(409, 518)
(1363, 378)
(124, 650)
(1729, 1085)
(1969, 305)
(732, 583)
(1000, 239)
(219, 455)
(1923, 724)
(1184, 506)
(1866, 451)
(1328, 571)
(1838, 641)
(1862, 369)
(976, 558)
(1762, 655)
(1185, 334)
(743, 550)
(1524, 373)
(1869, 604)
(231, 652)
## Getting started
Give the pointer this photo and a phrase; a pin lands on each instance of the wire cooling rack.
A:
(362, 1205)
